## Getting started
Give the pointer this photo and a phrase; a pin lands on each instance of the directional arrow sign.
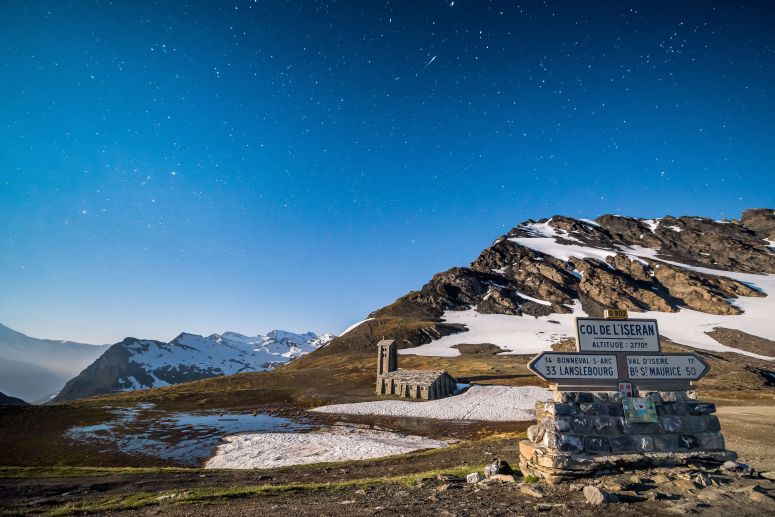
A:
(666, 366)
(554, 365)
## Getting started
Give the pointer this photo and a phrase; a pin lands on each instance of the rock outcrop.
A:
(761, 221)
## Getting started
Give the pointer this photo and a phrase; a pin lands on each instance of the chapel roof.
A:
(415, 376)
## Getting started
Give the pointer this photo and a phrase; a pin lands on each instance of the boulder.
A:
(703, 480)
(474, 477)
(506, 478)
(532, 491)
(535, 433)
(498, 467)
(598, 496)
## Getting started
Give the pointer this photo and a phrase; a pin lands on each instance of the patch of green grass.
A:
(120, 502)
(55, 471)
(532, 479)
(64, 472)
(204, 495)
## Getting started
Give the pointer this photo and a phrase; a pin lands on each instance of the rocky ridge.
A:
(6, 400)
(622, 262)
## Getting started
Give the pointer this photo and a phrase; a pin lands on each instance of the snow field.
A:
(489, 403)
(515, 334)
(268, 450)
(343, 443)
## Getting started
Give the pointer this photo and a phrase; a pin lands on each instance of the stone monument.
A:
(412, 384)
(619, 402)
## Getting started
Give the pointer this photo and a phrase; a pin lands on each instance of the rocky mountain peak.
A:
(560, 265)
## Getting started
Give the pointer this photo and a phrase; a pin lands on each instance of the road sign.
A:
(608, 357)
(606, 335)
(666, 366)
(615, 314)
(555, 365)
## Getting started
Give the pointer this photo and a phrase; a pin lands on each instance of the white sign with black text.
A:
(689, 367)
(606, 335)
(555, 365)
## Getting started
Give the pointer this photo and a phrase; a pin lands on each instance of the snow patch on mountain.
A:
(652, 224)
(190, 356)
(354, 325)
(515, 334)
(526, 335)
(532, 299)
(543, 238)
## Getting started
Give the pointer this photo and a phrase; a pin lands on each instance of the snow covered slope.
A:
(521, 335)
(137, 363)
(710, 285)
(34, 369)
(484, 403)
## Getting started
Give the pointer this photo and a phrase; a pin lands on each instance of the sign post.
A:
(616, 350)
(619, 400)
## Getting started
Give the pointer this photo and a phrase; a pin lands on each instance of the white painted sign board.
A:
(607, 335)
(665, 366)
(555, 365)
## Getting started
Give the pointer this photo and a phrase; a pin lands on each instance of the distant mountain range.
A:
(43, 370)
(710, 285)
(5, 400)
(35, 369)
(142, 363)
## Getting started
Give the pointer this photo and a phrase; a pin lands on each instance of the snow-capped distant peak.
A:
(188, 357)
(324, 339)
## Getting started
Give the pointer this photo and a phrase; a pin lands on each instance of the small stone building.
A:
(411, 384)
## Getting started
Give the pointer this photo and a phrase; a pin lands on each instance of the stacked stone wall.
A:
(595, 423)
(579, 431)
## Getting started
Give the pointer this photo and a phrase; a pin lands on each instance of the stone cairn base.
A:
(580, 433)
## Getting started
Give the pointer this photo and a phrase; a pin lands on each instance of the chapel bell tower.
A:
(387, 356)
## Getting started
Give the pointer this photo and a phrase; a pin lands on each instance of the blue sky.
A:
(256, 165)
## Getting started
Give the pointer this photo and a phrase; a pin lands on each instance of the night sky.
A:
(247, 166)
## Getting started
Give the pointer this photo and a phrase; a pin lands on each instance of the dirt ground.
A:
(637, 493)
(442, 498)
(748, 430)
